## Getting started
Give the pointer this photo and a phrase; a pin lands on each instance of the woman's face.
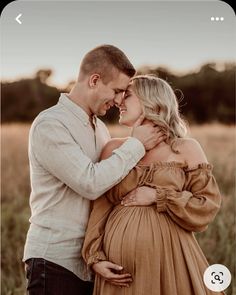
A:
(130, 108)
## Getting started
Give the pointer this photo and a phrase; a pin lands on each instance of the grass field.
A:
(218, 242)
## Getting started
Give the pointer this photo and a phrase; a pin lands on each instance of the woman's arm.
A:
(194, 207)
(92, 250)
(197, 205)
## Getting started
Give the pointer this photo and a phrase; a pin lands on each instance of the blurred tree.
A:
(43, 75)
(23, 100)
(208, 95)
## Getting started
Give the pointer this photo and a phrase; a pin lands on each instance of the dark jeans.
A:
(47, 278)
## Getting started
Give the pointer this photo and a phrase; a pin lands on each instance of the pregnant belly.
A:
(133, 234)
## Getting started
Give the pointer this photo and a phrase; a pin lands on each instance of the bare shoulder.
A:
(111, 145)
(192, 151)
(189, 144)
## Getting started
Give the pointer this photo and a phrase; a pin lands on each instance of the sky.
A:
(179, 35)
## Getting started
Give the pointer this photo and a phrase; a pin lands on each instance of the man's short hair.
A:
(103, 60)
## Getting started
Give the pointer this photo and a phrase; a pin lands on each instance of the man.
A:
(65, 142)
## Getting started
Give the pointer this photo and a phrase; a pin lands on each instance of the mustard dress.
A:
(155, 243)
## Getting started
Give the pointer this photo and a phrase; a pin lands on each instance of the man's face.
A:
(106, 95)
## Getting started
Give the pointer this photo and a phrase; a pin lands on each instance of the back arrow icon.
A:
(18, 18)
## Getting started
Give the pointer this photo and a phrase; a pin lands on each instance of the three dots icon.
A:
(217, 18)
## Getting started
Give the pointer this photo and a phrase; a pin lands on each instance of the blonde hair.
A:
(160, 106)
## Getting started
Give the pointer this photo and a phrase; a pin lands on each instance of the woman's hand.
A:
(110, 272)
(141, 196)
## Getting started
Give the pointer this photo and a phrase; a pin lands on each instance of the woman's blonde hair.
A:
(160, 106)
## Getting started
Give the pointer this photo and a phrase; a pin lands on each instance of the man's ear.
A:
(94, 79)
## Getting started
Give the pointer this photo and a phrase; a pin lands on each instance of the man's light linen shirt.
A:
(65, 175)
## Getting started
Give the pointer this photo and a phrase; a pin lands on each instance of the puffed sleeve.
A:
(92, 250)
(197, 205)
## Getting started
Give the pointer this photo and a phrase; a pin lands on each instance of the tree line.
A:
(207, 95)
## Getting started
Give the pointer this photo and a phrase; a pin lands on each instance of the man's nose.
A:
(118, 99)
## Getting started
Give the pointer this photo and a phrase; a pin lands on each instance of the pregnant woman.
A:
(155, 242)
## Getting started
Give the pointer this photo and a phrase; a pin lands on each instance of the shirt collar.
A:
(76, 110)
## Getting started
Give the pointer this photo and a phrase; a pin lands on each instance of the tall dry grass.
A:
(218, 242)
(15, 189)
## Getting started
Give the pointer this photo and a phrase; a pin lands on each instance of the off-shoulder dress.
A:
(155, 243)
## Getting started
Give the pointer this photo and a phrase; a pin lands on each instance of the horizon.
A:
(220, 66)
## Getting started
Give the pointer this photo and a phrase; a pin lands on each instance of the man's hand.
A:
(108, 271)
(141, 196)
(149, 135)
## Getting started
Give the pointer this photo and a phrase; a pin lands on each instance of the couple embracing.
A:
(116, 216)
